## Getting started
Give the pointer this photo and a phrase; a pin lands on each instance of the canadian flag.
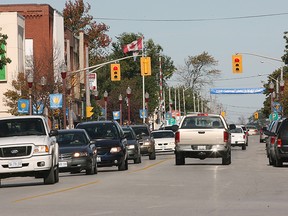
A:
(134, 46)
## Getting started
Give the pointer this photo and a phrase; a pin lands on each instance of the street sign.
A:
(277, 107)
(273, 116)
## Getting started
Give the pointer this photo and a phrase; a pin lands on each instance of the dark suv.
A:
(111, 143)
(278, 143)
(146, 140)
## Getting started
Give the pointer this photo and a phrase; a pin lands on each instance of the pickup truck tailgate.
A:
(202, 136)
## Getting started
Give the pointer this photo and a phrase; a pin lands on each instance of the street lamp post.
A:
(105, 99)
(63, 75)
(128, 92)
(146, 102)
(272, 94)
(30, 84)
(120, 104)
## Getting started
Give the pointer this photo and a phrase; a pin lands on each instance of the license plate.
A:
(98, 159)
(63, 164)
(15, 164)
(201, 147)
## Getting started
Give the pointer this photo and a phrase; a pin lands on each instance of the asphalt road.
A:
(201, 187)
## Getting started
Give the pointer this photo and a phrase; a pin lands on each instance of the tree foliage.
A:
(3, 60)
(198, 71)
(77, 18)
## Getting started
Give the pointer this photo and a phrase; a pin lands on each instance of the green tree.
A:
(77, 18)
(3, 60)
(131, 76)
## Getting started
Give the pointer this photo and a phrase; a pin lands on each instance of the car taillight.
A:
(226, 136)
(272, 140)
(244, 136)
(279, 143)
(177, 137)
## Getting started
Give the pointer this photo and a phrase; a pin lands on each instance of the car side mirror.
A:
(53, 133)
(174, 128)
(232, 126)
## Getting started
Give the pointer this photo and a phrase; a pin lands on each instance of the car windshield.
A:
(71, 139)
(143, 131)
(128, 134)
(164, 134)
(237, 130)
(21, 127)
(193, 122)
(101, 130)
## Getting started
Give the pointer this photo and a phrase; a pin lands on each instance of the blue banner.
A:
(55, 101)
(237, 90)
(23, 106)
(143, 113)
(116, 115)
(38, 108)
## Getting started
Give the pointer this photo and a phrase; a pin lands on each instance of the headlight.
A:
(131, 147)
(115, 149)
(41, 149)
(80, 154)
(146, 143)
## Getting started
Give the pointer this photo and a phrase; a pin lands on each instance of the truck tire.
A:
(50, 177)
(91, 169)
(152, 156)
(244, 147)
(56, 174)
(226, 159)
(179, 158)
(123, 165)
(278, 162)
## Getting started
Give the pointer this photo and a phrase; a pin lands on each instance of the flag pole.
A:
(143, 83)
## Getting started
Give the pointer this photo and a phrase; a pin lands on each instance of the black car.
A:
(110, 141)
(278, 142)
(76, 152)
(147, 143)
(133, 145)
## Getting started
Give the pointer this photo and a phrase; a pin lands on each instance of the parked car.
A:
(110, 142)
(203, 135)
(252, 130)
(238, 137)
(147, 143)
(164, 140)
(76, 152)
(275, 143)
(263, 136)
(133, 145)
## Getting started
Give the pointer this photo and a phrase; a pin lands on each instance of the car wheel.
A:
(50, 176)
(278, 162)
(270, 160)
(122, 165)
(56, 174)
(91, 169)
(152, 156)
(243, 147)
(137, 160)
(96, 167)
(179, 158)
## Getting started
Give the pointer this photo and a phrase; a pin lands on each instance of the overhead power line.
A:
(192, 20)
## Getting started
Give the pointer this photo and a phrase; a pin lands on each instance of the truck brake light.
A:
(279, 143)
(177, 137)
(226, 136)
(272, 140)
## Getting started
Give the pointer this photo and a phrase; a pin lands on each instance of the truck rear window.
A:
(194, 122)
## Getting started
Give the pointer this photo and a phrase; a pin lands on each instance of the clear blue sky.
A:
(219, 37)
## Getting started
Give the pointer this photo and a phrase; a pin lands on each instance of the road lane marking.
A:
(147, 167)
(56, 192)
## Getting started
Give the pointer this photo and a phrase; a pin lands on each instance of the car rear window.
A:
(193, 122)
(163, 134)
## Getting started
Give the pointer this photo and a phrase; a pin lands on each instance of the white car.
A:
(164, 140)
(238, 137)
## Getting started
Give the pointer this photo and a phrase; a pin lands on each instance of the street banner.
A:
(116, 115)
(237, 90)
(143, 113)
(55, 101)
(23, 106)
(38, 108)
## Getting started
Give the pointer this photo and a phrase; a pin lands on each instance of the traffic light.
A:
(145, 66)
(256, 115)
(89, 112)
(115, 72)
(237, 63)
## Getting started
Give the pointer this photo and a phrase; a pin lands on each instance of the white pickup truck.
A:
(28, 148)
(203, 135)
